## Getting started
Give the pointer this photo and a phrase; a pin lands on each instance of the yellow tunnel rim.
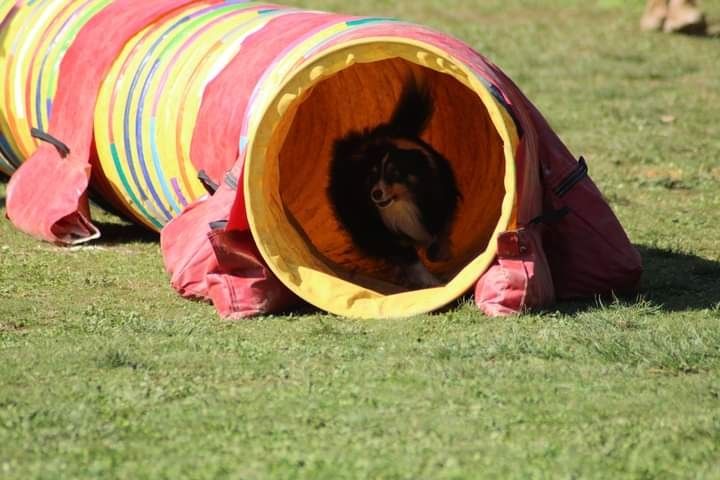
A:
(321, 289)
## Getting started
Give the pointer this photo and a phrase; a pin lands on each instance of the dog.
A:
(393, 192)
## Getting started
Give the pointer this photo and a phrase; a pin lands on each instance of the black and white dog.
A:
(395, 193)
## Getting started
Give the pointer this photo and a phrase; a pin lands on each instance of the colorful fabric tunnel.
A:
(140, 101)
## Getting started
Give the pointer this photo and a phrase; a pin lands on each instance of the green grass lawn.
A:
(106, 373)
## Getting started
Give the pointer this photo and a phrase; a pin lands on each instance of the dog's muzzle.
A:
(378, 197)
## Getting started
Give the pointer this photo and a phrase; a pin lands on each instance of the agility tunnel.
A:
(212, 122)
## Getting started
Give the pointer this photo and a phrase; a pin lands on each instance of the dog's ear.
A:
(413, 111)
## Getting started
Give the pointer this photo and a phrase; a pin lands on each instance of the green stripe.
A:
(126, 184)
(363, 21)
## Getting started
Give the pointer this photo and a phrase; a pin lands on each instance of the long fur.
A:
(421, 216)
(413, 112)
(404, 218)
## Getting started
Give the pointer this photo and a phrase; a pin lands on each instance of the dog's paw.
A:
(418, 276)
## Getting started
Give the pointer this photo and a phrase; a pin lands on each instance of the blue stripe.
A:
(128, 189)
(158, 167)
(139, 142)
(7, 153)
(126, 114)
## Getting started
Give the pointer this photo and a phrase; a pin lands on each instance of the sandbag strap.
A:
(61, 148)
(210, 186)
(550, 217)
(571, 180)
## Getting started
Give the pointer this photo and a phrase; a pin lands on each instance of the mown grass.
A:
(106, 373)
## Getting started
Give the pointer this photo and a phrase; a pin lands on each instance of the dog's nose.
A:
(377, 194)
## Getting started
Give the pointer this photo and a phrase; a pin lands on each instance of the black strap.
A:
(218, 225)
(210, 186)
(61, 148)
(550, 217)
(571, 180)
(495, 91)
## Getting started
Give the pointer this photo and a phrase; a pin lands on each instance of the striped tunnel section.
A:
(149, 101)
(32, 47)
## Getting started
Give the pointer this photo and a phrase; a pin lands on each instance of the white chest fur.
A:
(402, 216)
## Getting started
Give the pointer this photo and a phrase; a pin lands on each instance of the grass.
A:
(106, 373)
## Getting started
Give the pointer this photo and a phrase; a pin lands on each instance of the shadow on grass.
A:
(3, 180)
(674, 281)
(679, 281)
(121, 233)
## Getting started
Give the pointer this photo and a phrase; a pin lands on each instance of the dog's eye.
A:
(392, 174)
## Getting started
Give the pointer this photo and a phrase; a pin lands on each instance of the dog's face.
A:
(395, 173)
